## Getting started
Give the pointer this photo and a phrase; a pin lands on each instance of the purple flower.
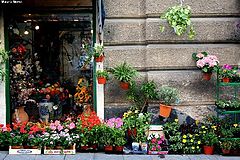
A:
(227, 66)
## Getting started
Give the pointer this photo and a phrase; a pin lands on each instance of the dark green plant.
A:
(178, 17)
(140, 95)
(226, 144)
(119, 137)
(124, 72)
(102, 74)
(209, 139)
(228, 104)
(168, 95)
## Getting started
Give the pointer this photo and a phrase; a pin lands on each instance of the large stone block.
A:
(180, 56)
(133, 55)
(207, 30)
(125, 31)
(125, 8)
(192, 89)
(199, 8)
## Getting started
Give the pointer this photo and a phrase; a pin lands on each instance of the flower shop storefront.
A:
(51, 69)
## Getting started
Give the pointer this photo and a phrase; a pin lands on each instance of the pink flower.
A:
(59, 127)
(57, 122)
(154, 140)
(159, 147)
(200, 63)
(154, 148)
(72, 125)
(160, 142)
(200, 55)
(52, 126)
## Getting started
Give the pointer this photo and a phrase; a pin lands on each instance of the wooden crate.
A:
(60, 151)
(24, 151)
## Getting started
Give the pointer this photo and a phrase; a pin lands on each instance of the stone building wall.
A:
(132, 34)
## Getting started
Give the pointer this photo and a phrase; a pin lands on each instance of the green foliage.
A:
(119, 137)
(178, 17)
(226, 144)
(98, 50)
(102, 74)
(124, 72)
(209, 139)
(3, 59)
(141, 94)
(228, 104)
(191, 143)
(168, 95)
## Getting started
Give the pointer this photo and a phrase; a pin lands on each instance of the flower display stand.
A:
(60, 151)
(24, 151)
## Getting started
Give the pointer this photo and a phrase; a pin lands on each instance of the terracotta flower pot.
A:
(226, 80)
(208, 150)
(207, 76)
(102, 80)
(84, 148)
(165, 110)
(99, 59)
(108, 149)
(118, 149)
(16, 147)
(225, 151)
(124, 85)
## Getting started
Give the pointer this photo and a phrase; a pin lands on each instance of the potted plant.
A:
(102, 76)
(167, 96)
(207, 63)
(178, 17)
(108, 138)
(4, 136)
(98, 53)
(209, 140)
(226, 146)
(124, 73)
(3, 58)
(226, 73)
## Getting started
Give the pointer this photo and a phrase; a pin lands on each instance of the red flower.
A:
(22, 129)
(1, 125)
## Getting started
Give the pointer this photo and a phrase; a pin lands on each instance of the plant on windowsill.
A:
(102, 76)
(125, 74)
(167, 96)
(3, 59)
(178, 17)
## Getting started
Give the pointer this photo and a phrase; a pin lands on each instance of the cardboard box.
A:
(60, 151)
(24, 151)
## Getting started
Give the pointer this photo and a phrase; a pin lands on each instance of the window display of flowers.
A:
(4, 135)
(83, 92)
(157, 143)
(207, 63)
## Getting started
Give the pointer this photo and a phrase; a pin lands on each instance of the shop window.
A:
(50, 66)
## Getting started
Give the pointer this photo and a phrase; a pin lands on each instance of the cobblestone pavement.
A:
(101, 156)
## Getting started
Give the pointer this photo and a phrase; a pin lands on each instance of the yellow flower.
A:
(199, 142)
(197, 147)
(191, 140)
(190, 135)
(184, 136)
(193, 147)
(176, 120)
(196, 122)
(184, 140)
(196, 134)
(203, 126)
(204, 131)
(235, 125)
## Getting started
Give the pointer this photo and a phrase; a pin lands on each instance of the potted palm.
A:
(102, 76)
(167, 96)
(124, 73)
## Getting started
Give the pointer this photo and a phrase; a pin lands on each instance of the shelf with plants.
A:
(228, 91)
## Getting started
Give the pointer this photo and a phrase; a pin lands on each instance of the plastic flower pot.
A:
(208, 150)
(226, 80)
(99, 59)
(165, 110)
(124, 85)
(108, 149)
(207, 76)
(225, 151)
(118, 149)
(102, 80)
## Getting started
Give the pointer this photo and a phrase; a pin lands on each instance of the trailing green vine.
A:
(178, 17)
(3, 59)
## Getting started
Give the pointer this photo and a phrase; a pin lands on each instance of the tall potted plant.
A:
(124, 73)
(102, 76)
(167, 96)
(209, 140)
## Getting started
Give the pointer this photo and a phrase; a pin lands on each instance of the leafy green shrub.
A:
(168, 95)
(124, 72)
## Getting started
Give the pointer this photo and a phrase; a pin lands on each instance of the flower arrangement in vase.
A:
(207, 63)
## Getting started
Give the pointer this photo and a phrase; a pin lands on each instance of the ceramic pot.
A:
(208, 150)
(124, 85)
(144, 147)
(135, 146)
(20, 115)
(101, 80)
(226, 80)
(108, 149)
(165, 110)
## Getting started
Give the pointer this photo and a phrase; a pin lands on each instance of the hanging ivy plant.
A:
(3, 58)
(178, 17)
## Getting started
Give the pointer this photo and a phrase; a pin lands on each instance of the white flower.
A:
(140, 115)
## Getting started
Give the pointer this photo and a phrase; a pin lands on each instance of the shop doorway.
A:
(51, 70)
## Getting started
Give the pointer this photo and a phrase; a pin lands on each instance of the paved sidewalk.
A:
(101, 156)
